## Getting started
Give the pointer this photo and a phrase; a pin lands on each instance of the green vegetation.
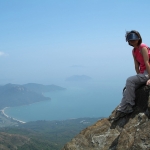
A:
(47, 135)
(16, 95)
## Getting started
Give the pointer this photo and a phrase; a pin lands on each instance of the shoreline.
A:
(20, 121)
(3, 112)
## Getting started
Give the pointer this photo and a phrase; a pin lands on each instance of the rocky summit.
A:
(131, 132)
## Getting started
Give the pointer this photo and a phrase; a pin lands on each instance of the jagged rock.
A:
(131, 132)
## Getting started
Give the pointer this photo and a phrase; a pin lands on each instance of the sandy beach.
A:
(3, 112)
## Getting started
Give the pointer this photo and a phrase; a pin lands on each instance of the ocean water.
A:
(75, 102)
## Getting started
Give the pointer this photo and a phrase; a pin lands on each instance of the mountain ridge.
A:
(40, 88)
(16, 95)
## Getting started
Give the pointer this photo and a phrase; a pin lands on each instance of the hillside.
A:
(15, 95)
(43, 135)
(12, 142)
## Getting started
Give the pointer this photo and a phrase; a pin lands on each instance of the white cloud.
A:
(2, 54)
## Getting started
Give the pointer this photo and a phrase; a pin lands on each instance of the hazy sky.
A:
(45, 41)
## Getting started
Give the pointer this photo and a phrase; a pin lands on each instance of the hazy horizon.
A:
(47, 41)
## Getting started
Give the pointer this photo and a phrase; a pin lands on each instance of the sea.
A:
(92, 100)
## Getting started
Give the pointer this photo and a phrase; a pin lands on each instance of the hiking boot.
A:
(118, 115)
(128, 109)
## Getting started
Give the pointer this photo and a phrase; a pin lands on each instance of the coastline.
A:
(20, 121)
(3, 112)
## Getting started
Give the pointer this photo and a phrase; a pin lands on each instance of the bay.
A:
(74, 102)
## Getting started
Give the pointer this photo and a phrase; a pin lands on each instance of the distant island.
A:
(16, 95)
(78, 78)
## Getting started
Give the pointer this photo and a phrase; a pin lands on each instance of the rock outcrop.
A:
(131, 132)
